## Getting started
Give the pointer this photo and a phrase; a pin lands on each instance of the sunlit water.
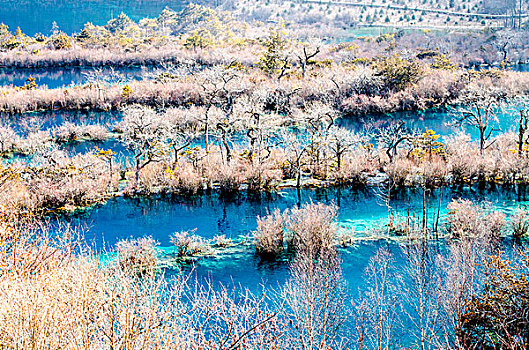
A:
(235, 217)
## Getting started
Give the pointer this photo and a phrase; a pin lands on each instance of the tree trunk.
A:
(137, 172)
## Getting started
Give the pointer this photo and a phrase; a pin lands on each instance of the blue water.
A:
(440, 120)
(51, 119)
(37, 16)
(60, 77)
(235, 217)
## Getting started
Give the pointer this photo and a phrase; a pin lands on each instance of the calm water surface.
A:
(235, 217)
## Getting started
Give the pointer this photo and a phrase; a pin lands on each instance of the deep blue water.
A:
(37, 16)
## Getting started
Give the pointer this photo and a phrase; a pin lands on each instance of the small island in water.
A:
(259, 174)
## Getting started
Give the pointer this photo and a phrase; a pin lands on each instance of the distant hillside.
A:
(470, 14)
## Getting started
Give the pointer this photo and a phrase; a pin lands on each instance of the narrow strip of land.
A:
(417, 9)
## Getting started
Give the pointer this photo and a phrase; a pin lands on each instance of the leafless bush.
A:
(55, 295)
(236, 319)
(519, 223)
(419, 290)
(460, 278)
(221, 241)
(188, 244)
(138, 255)
(8, 139)
(465, 219)
(312, 227)
(315, 297)
(269, 237)
(376, 312)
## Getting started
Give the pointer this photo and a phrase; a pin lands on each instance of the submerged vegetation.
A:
(228, 105)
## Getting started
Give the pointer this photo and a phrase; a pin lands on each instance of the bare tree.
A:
(376, 312)
(215, 84)
(339, 142)
(8, 139)
(143, 133)
(481, 114)
(318, 118)
(419, 290)
(459, 270)
(306, 54)
(523, 125)
(296, 146)
(222, 318)
(315, 300)
(182, 128)
(392, 136)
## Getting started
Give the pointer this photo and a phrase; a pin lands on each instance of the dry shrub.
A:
(82, 305)
(262, 176)
(313, 227)
(495, 316)
(229, 178)
(187, 243)
(162, 177)
(153, 179)
(187, 179)
(138, 255)
(221, 241)
(434, 171)
(8, 140)
(69, 132)
(69, 182)
(315, 302)
(463, 158)
(51, 298)
(57, 182)
(356, 167)
(269, 237)
(466, 219)
(35, 142)
(232, 319)
(400, 171)
(310, 229)
(519, 223)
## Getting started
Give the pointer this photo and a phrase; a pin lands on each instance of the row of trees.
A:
(245, 145)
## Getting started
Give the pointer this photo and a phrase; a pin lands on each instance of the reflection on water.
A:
(235, 217)
(59, 77)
